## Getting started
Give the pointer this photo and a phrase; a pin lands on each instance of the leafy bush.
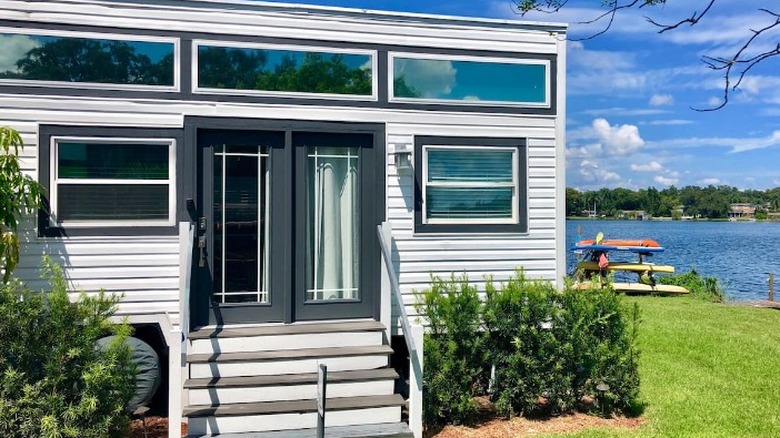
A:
(518, 321)
(454, 355)
(704, 288)
(551, 349)
(598, 335)
(19, 194)
(54, 382)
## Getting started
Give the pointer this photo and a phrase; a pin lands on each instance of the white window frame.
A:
(515, 185)
(170, 143)
(196, 89)
(101, 36)
(482, 59)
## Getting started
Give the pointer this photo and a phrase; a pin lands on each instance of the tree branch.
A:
(692, 21)
(727, 65)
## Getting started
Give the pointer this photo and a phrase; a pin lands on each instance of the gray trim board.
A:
(522, 195)
(299, 354)
(290, 379)
(287, 329)
(45, 132)
(385, 430)
(295, 406)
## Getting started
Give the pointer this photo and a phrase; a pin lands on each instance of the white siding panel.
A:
(144, 270)
(307, 24)
(418, 256)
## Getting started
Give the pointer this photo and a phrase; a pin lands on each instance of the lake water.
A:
(739, 254)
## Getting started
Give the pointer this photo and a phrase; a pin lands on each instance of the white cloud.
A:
(736, 144)
(579, 56)
(14, 48)
(620, 111)
(708, 181)
(593, 173)
(714, 101)
(672, 122)
(618, 139)
(661, 99)
(432, 78)
(653, 166)
(666, 181)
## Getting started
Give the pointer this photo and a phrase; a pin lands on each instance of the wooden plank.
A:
(286, 329)
(386, 430)
(638, 288)
(296, 406)
(290, 379)
(302, 353)
(627, 266)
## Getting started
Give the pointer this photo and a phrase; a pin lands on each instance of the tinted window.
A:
(114, 161)
(70, 59)
(469, 81)
(91, 202)
(284, 70)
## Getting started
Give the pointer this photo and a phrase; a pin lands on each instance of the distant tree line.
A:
(711, 202)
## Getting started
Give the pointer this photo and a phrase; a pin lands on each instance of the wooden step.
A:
(290, 379)
(221, 425)
(285, 329)
(390, 430)
(255, 389)
(294, 406)
(277, 362)
(299, 354)
(285, 342)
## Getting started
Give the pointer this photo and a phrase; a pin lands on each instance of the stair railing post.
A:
(322, 383)
(416, 382)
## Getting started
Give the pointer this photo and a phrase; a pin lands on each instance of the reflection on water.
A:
(739, 254)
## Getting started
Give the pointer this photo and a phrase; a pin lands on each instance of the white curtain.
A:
(333, 216)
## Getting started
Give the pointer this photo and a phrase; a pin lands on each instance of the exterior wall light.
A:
(402, 153)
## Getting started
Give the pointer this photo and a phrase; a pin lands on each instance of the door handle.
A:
(202, 249)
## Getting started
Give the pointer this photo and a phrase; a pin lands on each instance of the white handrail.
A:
(385, 241)
(410, 333)
(186, 247)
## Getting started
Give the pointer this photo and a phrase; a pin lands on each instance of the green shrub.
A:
(522, 345)
(705, 288)
(598, 335)
(454, 355)
(54, 381)
(551, 349)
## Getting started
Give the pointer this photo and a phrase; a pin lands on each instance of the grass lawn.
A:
(707, 370)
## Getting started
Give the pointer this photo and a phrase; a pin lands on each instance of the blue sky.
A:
(630, 93)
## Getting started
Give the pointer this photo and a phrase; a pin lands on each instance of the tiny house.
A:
(238, 170)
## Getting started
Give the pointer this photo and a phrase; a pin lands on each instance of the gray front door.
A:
(287, 225)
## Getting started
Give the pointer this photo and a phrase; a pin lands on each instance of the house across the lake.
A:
(241, 171)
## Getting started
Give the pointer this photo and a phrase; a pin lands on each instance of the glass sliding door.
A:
(332, 227)
(336, 255)
(286, 222)
(240, 248)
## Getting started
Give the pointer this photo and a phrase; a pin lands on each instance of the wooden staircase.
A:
(261, 381)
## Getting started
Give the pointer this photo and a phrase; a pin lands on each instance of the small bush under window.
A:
(549, 350)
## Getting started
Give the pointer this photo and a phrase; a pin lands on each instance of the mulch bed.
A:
(521, 427)
(490, 426)
(156, 427)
